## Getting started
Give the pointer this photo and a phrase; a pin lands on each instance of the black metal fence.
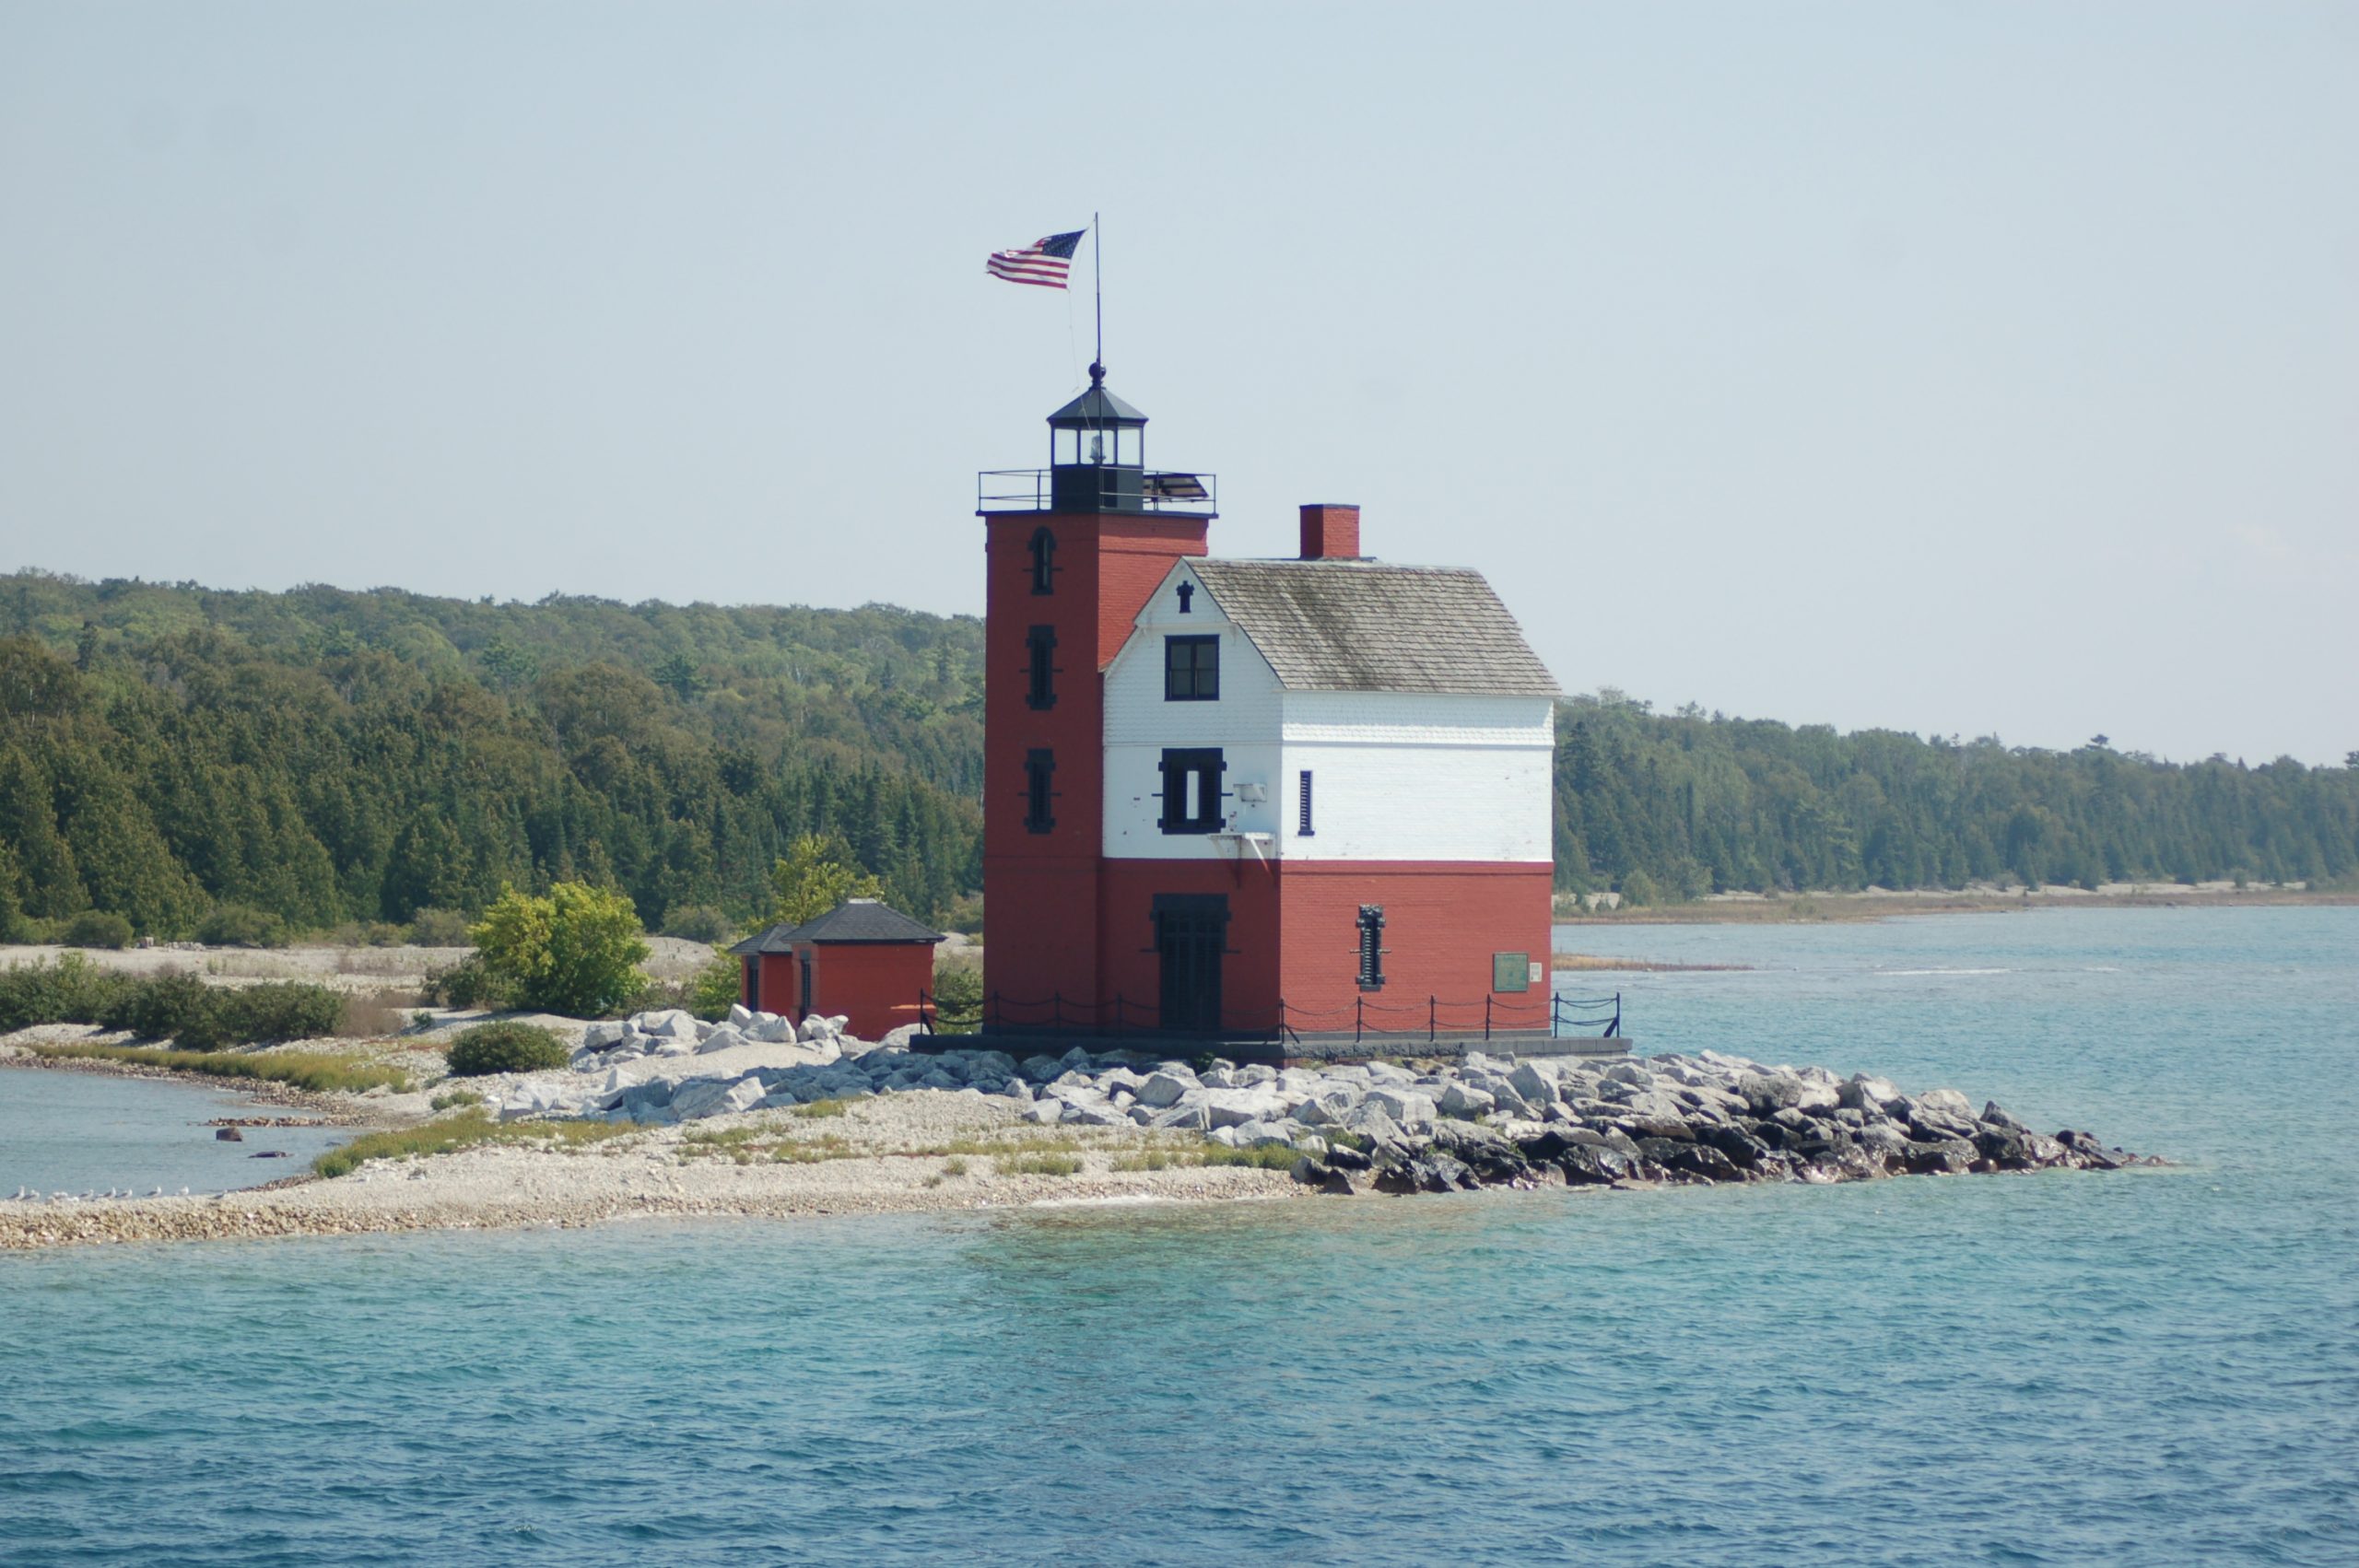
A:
(1559, 1015)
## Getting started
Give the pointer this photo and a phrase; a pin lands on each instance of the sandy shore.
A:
(893, 1154)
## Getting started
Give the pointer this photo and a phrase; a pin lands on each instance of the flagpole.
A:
(1097, 279)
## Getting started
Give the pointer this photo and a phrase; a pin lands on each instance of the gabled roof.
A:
(1366, 626)
(778, 938)
(864, 920)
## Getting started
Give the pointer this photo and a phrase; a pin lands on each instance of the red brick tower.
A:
(1073, 552)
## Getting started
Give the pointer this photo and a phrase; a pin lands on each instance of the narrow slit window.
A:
(1044, 561)
(1302, 811)
(1039, 767)
(1040, 643)
(1371, 954)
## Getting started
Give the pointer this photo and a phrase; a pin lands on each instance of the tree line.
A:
(1697, 804)
(322, 756)
(330, 757)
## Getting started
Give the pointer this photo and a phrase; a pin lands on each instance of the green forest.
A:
(328, 757)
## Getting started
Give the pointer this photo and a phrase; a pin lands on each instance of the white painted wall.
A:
(1397, 775)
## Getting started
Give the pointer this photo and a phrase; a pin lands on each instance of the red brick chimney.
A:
(1330, 531)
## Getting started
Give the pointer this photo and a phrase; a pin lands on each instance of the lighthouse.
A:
(1286, 802)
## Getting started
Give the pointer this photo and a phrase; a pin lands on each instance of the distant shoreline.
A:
(1752, 909)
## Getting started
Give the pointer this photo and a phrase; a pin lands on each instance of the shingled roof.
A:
(778, 938)
(1366, 626)
(864, 920)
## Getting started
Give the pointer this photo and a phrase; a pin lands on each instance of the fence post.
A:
(925, 1020)
(1359, 1016)
(1433, 1008)
(1486, 1018)
(1617, 1028)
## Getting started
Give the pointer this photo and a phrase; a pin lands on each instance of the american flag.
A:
(1043, 264)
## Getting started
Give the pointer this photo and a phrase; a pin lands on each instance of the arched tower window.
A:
(1044, 561)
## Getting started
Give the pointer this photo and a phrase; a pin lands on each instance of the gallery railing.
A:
(1366, 1019)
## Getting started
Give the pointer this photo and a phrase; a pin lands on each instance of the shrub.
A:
(285, 1009)
(1638, 890)
(97, 927)
(505, 1047)
(699, 922)
(469, 983)
(439, 928)
(72, 991)
(575, 952)
(714, 989)
(159, 1007)
(241, 925)
(957, 996)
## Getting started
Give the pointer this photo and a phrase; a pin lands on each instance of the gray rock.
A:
(1184, 1117)
(769, 1031)
(1628, 1073)
(739, 1015)
(599, 1036)
(1388, 1074)
(1408, 1108)
(1218, 1077)
(1045, 1112)
(676, 1045)
(1253, 1134)
(817, 1028)
(1040, 1068)
(1946, 1103)
(1462, 1100)
(721, 1039)
(745, 1094)
(673, 1022)
(700, 1097)
(1255, 1076)
(899, 1039)
(1536, 1087)
(1164, 1088)
(1371, 1122)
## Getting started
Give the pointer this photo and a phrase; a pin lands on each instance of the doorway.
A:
(1190, 934)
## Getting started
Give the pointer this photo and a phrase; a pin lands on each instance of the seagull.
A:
(158, 1193)
(183, 1192)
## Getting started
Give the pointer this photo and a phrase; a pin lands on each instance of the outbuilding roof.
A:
(778, 938)
(1368, 626)
(864, 920)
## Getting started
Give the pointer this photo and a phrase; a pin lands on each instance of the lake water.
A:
(83, 1132)
(2137, 1367)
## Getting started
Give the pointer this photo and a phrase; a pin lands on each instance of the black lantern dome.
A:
(1097, 451)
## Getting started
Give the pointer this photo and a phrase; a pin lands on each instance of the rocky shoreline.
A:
(842, 1126)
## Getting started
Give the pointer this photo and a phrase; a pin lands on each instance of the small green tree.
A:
(817, 875)
(1638, 890)
(575, 952)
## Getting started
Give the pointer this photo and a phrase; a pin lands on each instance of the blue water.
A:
(2129, 1368)
(80, 1132)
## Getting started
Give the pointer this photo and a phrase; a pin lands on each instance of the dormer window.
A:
(1044, 561)
(1192, 668)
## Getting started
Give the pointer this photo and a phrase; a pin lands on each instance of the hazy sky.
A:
(1951, 367)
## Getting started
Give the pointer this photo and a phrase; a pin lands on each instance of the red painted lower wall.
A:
(1293, 950)
(1443, 923)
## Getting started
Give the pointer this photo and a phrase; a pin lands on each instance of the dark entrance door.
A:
(1190, 931)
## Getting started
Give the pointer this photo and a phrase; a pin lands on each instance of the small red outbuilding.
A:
(860, 959)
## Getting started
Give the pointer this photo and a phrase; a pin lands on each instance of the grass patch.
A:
(953, 1167)
(1038, 1164)
(1154, 1160)
(820, 1109)
(1269, 1156)
(452, 1099)
(302, 1070)
(465, 1130)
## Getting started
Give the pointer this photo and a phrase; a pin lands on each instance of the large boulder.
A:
(1536, 1087)
(817, 1028)
(1163, 1089)
(1234, 1107)
(1408, 1108)
(1182, 1118)
(1946, 1103)
(721, 1039)
(601, 1036)
(769, 1030)
(1465, 1100)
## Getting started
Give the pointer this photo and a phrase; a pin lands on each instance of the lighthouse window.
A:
(1191, 669)
(1041, 642)
(1039, 766)
(1192, 793)
(1371, 947)
(1044, 561)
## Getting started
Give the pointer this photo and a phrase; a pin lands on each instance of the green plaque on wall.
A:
(1510, 972)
